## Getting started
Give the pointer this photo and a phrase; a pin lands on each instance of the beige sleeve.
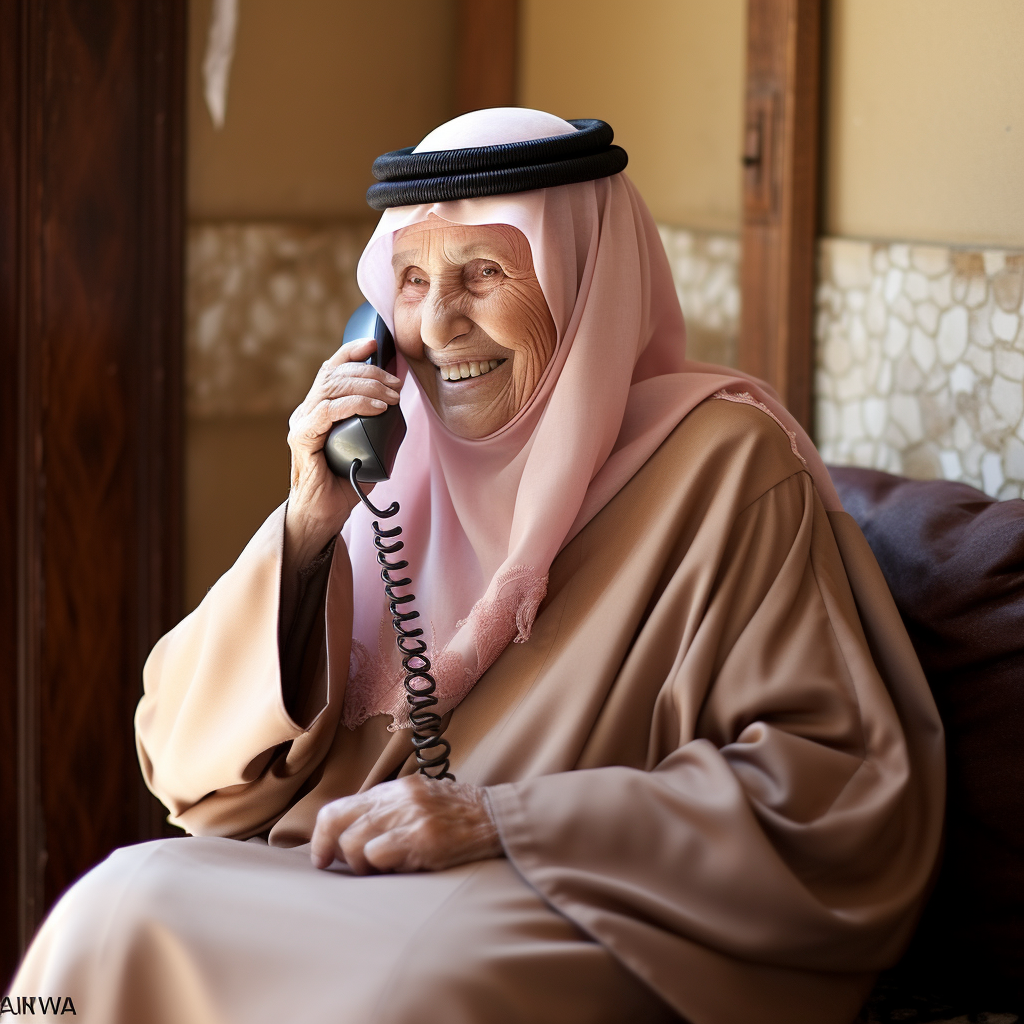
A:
(791, 814)
(215, 739)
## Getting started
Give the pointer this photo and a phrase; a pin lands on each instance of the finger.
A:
(331, 821)
(313, 418)
(393, 850)
(352, 350)
(354, 839)
(363, 369)
(331, 373)
(351, 379)
(339, 384)
(320, 421)
(359, 351)
(334, 388)
(308, 431)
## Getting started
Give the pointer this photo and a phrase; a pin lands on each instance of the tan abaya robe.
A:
(716, 756)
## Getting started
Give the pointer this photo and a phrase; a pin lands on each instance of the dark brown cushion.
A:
(954, 560)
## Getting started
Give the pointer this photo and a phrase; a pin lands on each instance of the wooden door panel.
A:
(487, 54)
(92, 110)
(780, 190)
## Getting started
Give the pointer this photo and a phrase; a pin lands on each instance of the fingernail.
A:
(378, 404)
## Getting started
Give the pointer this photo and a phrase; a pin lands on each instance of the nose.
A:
(441, 322)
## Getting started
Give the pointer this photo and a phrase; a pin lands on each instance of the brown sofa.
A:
(954, 560)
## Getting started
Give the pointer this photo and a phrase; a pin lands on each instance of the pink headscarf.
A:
(484, 519)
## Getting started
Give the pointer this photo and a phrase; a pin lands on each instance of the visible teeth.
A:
(472, 369)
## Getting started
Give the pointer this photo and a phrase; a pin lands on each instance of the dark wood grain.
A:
(96, 200)
(487, 54)
(780, 190)
(10, 122)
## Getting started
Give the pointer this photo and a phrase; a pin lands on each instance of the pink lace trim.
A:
(746, 398)
(366, 670)
(508, 616)
(375, 678)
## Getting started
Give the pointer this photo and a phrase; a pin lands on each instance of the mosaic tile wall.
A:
(706, 271)
(920, 348)
(267, 303)
(921, 361)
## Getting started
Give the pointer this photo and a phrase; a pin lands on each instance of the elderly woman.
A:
(699, 772)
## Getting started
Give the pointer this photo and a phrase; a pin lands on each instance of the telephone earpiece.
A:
(373, 440)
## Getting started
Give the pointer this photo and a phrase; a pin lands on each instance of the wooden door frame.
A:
(92, 102)
(781, 157)
(487, 54)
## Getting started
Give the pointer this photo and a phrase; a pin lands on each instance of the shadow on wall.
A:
(236, 475)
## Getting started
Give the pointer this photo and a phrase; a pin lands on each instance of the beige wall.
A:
(318, 89)
(236, 474)
(925, 120)
(924, 109)
(667, 75)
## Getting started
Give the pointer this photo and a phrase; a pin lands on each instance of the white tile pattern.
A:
(920, 361)
(706, 267)
(266, 304)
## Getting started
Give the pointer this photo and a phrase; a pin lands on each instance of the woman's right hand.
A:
(319, 502)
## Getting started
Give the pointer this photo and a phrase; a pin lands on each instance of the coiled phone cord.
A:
(427, 725)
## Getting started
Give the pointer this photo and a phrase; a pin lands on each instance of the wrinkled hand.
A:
(410, 824)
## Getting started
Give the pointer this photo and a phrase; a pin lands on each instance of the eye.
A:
(483, 275)
(415, 282)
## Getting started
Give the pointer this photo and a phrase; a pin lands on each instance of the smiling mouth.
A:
(460, 371)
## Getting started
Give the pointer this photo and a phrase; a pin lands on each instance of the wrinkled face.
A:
(471, 320)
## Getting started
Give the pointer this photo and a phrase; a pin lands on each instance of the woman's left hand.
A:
(410, 824)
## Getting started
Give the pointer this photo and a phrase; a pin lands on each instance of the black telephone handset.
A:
(363, 448)
(374, 440)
